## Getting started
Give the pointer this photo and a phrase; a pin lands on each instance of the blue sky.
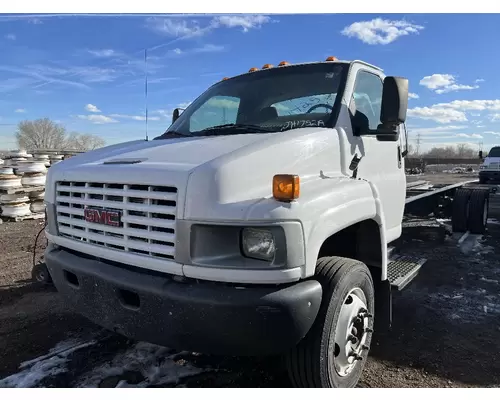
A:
(88, 72)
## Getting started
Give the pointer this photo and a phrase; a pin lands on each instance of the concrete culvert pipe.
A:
(6, 171)
(15, 210)
(10, 181)
(13, 198)
(33, 179)
(37, 196)
(31, 166)
(37, 207)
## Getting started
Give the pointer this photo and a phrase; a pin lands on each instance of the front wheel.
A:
(335, 350)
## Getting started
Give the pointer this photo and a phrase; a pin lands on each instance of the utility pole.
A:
(419, 139)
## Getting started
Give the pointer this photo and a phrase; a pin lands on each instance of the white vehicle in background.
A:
(490, 168)
(261, 222)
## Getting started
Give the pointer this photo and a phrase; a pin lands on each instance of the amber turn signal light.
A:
(286, 187)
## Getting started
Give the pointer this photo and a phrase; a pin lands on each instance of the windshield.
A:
(273, 100)
(494, 152)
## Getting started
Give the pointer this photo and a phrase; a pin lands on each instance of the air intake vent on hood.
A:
(124, 161)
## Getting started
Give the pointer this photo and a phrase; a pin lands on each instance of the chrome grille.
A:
(148, 216)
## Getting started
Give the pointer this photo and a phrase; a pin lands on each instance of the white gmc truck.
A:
(490, 168)
(259, 223)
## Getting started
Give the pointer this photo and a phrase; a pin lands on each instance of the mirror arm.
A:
(405, 152)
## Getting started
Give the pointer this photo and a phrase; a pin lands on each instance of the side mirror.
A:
(175, 114)
(394, 106)
(481, 154)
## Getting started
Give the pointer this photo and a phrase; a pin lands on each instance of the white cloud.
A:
(470, 136)
(98, 119)
(380, 31)
(469, 105)
(134, 117)
(455, 87)
(441, 115)
(20, 110)
(436, 81)
(413, 96)
(495, 117)
(92, 108)
(492, 133)
(245, 22)
(10, 36)
(436, 130)
(187, 28)
(207, 48)
(479, 80)
(444, 83)
(103, 53)
(176, 27)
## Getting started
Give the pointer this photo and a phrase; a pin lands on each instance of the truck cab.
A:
(258, 223)
(490, 168)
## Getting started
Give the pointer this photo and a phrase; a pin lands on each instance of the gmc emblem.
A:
(102, 216)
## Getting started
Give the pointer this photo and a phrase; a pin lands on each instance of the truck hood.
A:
(491, 160)
(215, 175)
(167, 161)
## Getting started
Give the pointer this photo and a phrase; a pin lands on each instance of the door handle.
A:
(399, 156)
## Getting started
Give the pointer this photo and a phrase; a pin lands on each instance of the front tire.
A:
(334, 352)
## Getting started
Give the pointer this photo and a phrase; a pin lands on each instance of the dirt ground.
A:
(446, 325)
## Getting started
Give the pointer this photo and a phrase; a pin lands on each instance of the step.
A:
(401, 270)
(391, 252)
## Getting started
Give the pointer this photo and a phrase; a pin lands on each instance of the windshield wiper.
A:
(237, 127)
(172, 134)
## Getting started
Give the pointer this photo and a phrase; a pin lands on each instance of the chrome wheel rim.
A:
(351, 332)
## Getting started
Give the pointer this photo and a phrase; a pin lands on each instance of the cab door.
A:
(382, 161)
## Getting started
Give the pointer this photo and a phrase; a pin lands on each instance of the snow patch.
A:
(53, 363)
(155, 363)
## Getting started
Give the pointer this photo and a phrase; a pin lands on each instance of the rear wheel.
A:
(460, 212)
(334, 351)
(478, 211)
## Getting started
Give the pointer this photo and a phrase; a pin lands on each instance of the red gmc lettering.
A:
(104, 217)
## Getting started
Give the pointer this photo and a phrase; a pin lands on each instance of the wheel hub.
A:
(353, 327)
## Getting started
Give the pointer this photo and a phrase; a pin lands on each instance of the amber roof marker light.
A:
(253, 69)
(331, 58)
(267, 66)
(283, 63)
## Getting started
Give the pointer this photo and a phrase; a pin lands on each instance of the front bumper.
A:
(489, 175)
(207, 317)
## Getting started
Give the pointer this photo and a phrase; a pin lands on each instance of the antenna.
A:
(146, 88)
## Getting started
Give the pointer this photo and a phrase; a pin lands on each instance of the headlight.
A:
(258, 243)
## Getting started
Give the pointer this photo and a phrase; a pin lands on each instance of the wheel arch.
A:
(355, 230)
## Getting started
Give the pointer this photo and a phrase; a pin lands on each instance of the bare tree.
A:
(461, 150)
(84, 142)
(465, 151)
(45, 134)
(40, 134)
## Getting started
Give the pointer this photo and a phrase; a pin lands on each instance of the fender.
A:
(335, 219)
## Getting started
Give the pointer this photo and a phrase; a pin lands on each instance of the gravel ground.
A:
(446, 326)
